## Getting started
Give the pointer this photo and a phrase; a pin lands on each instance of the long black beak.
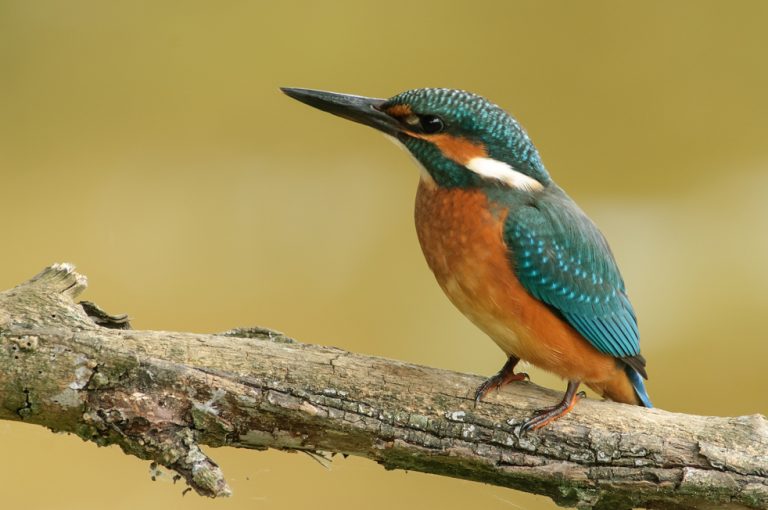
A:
(365, 110)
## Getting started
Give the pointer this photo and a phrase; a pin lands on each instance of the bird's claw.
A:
(547, 415)
(501, 378)
(496, 382)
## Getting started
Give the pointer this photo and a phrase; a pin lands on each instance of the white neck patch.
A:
(494, 169)
(487, 167)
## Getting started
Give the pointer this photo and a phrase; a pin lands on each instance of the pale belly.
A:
(465, 296)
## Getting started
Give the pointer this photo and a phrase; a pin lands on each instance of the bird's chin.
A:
(401, 137)
(399, 140)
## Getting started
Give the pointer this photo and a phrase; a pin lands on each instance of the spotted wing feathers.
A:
(562, 259)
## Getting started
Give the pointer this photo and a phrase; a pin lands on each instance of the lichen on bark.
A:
(160, 395)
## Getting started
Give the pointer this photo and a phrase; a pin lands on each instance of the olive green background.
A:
(147, 142)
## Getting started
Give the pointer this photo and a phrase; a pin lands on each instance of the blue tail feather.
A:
(637, 383)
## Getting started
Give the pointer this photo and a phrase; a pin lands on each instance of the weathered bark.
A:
(161, 394)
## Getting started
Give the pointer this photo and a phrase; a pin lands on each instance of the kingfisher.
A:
(510, 249)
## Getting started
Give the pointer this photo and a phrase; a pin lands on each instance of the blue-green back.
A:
(562, 259)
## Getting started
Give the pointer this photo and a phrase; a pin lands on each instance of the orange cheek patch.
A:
(456, 148)
(399, 110)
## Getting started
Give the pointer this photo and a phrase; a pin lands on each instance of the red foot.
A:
(503, 377)
(545, 416)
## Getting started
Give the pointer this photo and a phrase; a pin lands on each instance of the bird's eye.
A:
(431, 124)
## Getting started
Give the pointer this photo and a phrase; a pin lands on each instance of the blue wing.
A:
(562, 259)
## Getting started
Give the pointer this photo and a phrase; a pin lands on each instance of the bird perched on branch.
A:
(508, 246)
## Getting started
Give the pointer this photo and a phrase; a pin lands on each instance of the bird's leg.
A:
(547, 415)
(504, 376)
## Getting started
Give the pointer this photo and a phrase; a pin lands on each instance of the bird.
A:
(510, 249)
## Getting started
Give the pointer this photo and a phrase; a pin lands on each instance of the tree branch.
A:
(159, 395)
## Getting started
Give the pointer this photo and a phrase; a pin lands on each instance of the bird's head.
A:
(460, 138)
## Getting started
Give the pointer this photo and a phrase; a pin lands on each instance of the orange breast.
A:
(461, 237)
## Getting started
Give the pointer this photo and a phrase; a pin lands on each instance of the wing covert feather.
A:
(562, 259)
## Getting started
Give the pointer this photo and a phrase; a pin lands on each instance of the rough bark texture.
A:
(159, 395)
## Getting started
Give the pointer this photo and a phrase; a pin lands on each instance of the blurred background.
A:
(147, 142)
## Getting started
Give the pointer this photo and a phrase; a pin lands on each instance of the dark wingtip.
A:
(638, 363)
